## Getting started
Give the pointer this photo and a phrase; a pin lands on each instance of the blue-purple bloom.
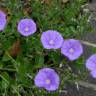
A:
(93, 73)
(3, 20)
(27, 27)
(91, 65)
(51, 39)
(72, 49)
(48, 79)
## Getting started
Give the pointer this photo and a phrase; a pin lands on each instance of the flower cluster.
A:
(71, 48)
(51, 39)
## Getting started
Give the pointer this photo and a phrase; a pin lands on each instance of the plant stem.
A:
(4, 79)
(13, 61)
(18, 94)
(5, 69)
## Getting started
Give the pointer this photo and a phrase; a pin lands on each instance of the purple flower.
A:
(91, 63)
(72, 49)
(51, 39)
(93, 73)
(3, 20)
(47, 78)
(26, 27)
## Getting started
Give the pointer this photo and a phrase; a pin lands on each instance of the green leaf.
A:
(39, 61)
(5, 57)
(5, 80)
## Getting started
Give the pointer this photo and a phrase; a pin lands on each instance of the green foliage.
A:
(17, 73)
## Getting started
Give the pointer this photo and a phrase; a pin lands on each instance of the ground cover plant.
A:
(39, 40)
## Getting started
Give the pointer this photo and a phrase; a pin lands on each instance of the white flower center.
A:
(51, 42)
(26, 29)
(48, 81)
(71, 50)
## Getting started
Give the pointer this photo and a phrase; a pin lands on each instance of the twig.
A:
(86, 84)
(88, 43)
